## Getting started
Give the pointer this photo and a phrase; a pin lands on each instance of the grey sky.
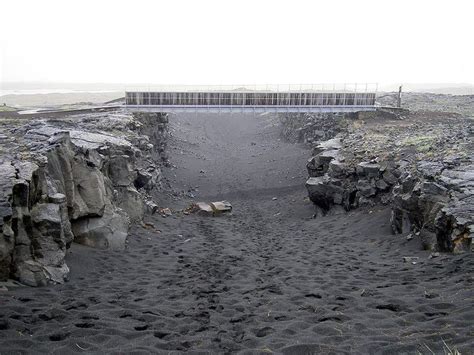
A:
(218, 42)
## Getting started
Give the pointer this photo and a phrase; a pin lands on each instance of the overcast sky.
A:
(226, 42)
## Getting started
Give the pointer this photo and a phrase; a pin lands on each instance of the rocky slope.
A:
(422, 166)
(422, 101)
(81, 178)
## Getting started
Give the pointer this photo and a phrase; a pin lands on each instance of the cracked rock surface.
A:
(421, 164)
(81, 178)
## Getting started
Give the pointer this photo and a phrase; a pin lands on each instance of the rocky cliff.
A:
(422, 166)
(77, 179)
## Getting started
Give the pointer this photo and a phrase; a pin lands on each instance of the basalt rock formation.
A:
(81, 179)
(333, 182)
(312, 128)
(421, 166)
(35, 226)
(436, 202)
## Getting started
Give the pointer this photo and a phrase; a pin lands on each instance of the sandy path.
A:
(232, 153)
(265, 278)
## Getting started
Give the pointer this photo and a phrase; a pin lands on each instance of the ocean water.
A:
(49, 91)
(34, 88)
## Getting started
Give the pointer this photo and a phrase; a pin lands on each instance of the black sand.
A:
(266, 278)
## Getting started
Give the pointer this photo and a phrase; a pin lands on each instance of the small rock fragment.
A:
(165, 212)
(211, 208)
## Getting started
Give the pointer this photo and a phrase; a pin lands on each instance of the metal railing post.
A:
(344, 96)
(355, 94)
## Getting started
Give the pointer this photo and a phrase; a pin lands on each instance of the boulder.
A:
(382, 185)
(366, 188)
(211, 208)
(324, 191)
(203, 207)
(330, 144)
(327, 156)
(90, 195)
(221, 206)
(314, 167)
(108, 231)
(131, 202)
(338, 169)
(120, 170)
(369, 170)
(389, 178)
(151, 206)
(143, 180)
(33, 273)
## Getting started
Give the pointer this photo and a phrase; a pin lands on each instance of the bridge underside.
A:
(250, 101)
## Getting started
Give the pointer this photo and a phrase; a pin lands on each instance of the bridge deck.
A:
(225, 101)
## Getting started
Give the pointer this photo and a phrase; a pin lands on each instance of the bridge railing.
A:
(249, 99)
(250, 96)
(323, 87)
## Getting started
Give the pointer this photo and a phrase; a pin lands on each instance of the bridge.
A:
(244, 98)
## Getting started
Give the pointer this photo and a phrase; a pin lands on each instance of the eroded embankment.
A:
(79, 178)
(421, 166)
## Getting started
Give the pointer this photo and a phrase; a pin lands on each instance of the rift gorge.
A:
(239, 222)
